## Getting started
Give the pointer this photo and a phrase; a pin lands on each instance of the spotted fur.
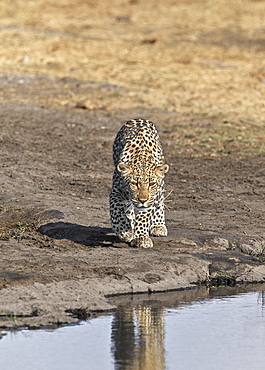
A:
(137, 194)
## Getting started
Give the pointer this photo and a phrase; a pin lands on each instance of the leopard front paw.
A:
(126, 237)
(142, 242)
(159, 231)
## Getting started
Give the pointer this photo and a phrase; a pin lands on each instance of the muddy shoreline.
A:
(56, 175)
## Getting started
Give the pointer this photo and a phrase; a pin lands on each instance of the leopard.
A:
(137, 195)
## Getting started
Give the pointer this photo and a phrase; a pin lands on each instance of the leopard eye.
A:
(152, 184)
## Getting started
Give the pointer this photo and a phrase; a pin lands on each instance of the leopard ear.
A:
(161, 170)
(124, 169)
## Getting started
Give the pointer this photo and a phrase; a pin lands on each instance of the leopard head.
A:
(144, 183)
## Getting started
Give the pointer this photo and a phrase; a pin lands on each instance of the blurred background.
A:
(201, 58)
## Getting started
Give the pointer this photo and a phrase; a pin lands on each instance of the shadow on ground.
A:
(87, 235)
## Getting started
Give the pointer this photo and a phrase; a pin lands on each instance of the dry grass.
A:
(201, 58)
(15, 221)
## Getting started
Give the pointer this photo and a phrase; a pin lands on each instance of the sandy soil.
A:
(71, 76)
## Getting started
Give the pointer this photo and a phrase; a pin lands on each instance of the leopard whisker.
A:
(166, 207)
(170, 192)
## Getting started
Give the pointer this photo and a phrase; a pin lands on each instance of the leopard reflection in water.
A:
(138, 337)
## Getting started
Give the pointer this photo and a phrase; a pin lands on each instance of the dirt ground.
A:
(58, 122)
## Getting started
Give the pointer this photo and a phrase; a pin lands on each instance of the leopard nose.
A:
(143, 199)
(143, 194)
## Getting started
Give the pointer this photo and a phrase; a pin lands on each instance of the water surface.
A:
(199, 329)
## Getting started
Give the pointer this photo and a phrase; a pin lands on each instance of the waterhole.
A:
(222, 328)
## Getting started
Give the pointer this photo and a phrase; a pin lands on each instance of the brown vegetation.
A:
(203, 59)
